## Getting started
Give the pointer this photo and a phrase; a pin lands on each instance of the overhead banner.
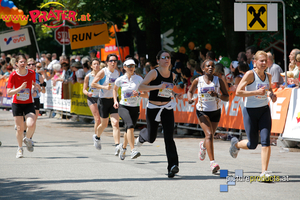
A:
(14, 40)
(292, 126)
(88, 36)
(79, 104)
(255, 17)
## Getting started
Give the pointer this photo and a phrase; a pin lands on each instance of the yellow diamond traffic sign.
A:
(257, 17)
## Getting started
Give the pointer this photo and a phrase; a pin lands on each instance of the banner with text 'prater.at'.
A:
(231, 115)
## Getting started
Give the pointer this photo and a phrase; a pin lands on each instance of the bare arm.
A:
(11, 91)
(144, 86)
(192, 90)
(85, 86)
(270, 92)
(247, 79)
(97, 78)
(115, 96)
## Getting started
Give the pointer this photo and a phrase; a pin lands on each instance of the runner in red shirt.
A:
(20, 86)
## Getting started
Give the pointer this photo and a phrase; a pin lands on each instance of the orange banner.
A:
(231, 115)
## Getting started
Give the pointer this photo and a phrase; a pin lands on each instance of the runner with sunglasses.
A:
(20, 86)
(128, 108)
(160, 108)
(107, 77)
(208, 108)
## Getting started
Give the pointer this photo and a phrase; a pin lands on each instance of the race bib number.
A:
(260, 85)
(129, 98)
(111, 81)
(167, 92)
(94, 91)
(23, 95)
(205, 96)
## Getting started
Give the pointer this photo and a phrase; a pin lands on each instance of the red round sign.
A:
(61, 35)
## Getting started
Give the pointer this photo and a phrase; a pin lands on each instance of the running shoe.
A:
(15, 127)
(266, 177)
(122, 152)
(28, 144)
(202, 151)
(174, 170)
(135, 154)
(97, 143)
(137, 142)
(117, 150)
(233, 150)
(19, 153)
(214, 167)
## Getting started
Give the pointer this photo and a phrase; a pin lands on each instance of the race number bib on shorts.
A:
(129, 98)
(205, 96)
(167, 92)
(260, 85)
(23, 95)
(111, 81)
(94, 91)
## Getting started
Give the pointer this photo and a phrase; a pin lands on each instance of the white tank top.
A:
(110, 78)
(205, 101)
(257, 100)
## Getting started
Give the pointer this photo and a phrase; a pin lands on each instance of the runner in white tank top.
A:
(106, 102)
(254, 86)
(208, 108)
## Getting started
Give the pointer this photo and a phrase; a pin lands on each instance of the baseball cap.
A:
(129, 62)
(93, 51)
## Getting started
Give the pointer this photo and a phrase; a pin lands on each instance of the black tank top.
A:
(154, 93)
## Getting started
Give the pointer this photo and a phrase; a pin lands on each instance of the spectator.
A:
(292, 64)
(63, 59)
(93, 53)
(78, 58)
(242, 57)
(57, 73)
(275, 71)
(243, 67)
(211, 56)
(191, 64)
(237, 76)
(77, 68)
(219, 72)
(86, 68)
(250, 52)
(48, 61)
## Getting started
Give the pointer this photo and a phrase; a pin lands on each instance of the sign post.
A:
(256, 21)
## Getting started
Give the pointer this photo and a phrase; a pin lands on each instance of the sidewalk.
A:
(66, 165)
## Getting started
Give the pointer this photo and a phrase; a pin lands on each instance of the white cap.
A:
(129, 62)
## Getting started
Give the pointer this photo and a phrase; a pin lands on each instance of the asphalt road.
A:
(66, 165)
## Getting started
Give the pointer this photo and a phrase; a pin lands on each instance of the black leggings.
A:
(149, 135)
(255, 120)
(129, 115)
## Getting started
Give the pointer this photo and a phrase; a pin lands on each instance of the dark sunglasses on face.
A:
(130, 66)
(31, 64)
(165, 57)
(112, 61)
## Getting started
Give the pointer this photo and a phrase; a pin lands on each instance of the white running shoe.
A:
(122, 152)
(137, 142)
(265, 177)
(19, 153)
(117, 150)
(97, 143)
(28, 144)
(135, 154)
(233, 150)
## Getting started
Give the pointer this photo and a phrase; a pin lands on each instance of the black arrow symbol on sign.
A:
(256, 18)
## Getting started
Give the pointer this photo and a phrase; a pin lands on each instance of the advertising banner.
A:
(79, 101)
(14, 40)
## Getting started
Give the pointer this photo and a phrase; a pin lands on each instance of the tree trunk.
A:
(152, 25)
(235, 41)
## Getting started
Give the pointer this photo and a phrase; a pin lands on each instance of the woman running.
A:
(159, 82)
(208, 108)
(93, 93)
(38, 88)
(107, 77)
(128, 108)
(255, 86)
(20, 86)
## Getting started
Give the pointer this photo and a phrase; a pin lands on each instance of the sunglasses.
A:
(112, 61)
(31, 64)
(165, 57)
(130, 66)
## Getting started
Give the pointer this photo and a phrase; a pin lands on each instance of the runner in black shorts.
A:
(208, 108)
(109, 75)
(129, 106)
(93, 94)
(20, 86)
